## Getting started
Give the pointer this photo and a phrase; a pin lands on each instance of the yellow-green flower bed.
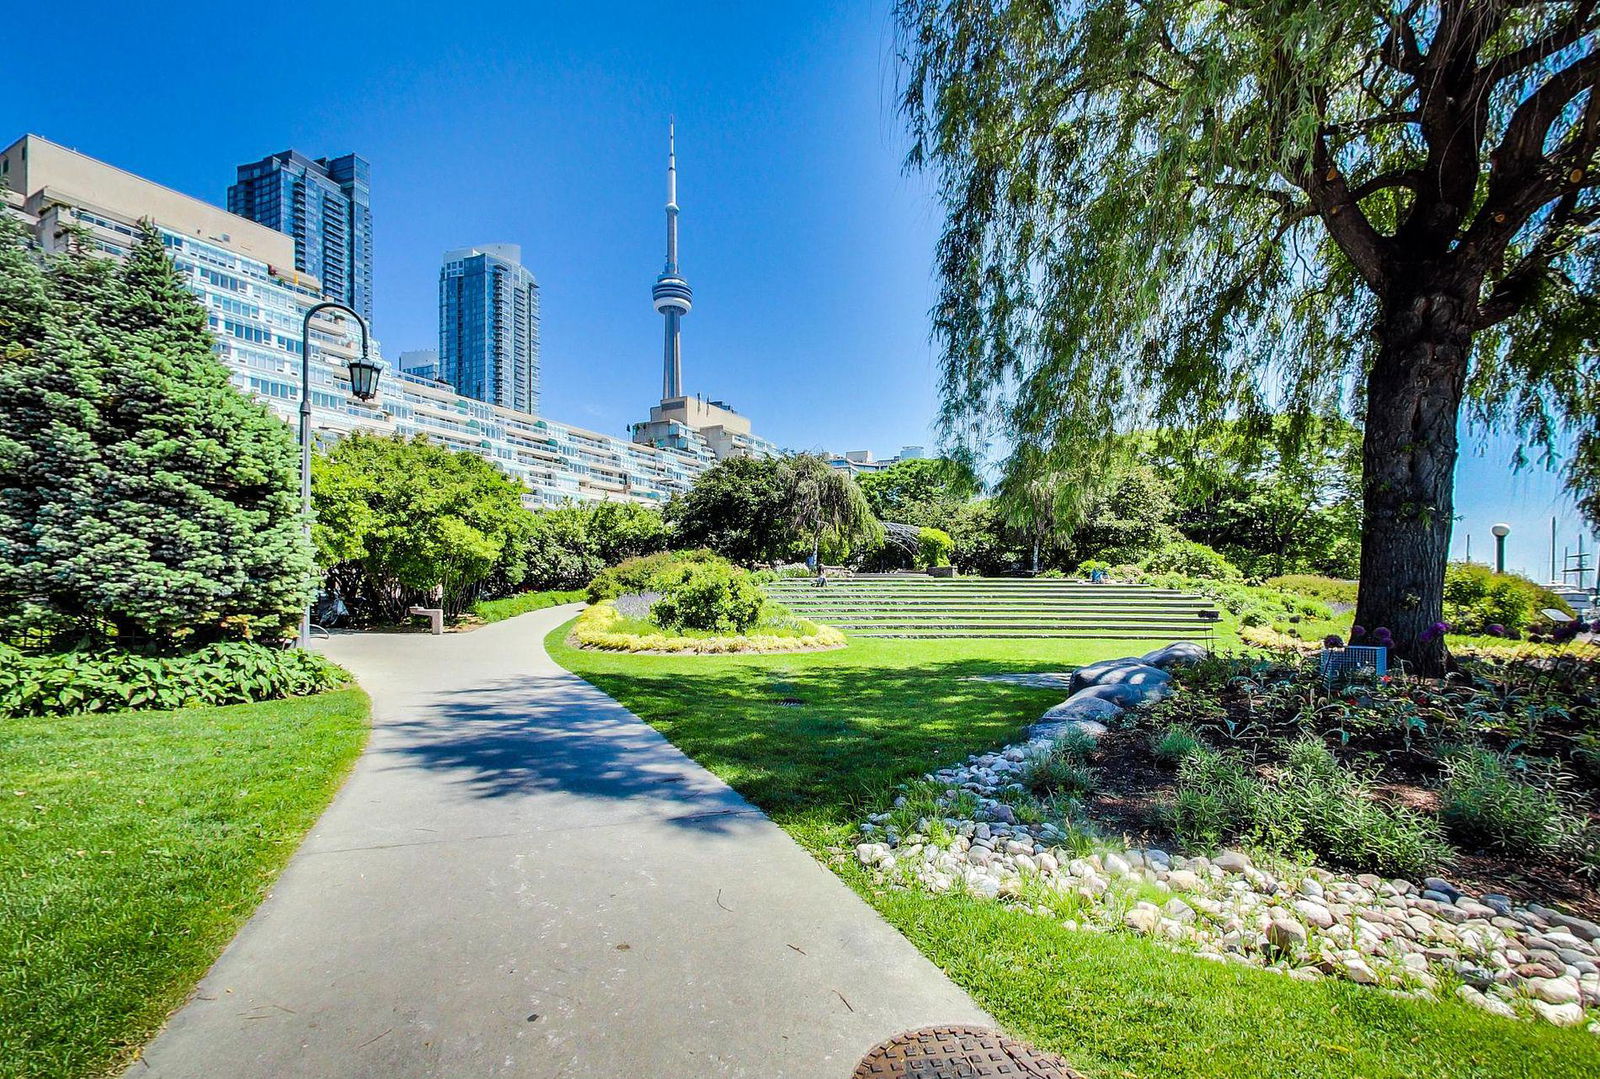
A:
(604, 628)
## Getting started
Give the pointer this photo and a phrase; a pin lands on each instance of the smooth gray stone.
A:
(1175, 655)
(1118, 672)
(1124, 694)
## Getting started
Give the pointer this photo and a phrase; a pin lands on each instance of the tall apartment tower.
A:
(325, 204)
(489, 326)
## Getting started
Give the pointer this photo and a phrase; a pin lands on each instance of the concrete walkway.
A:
(521, 878)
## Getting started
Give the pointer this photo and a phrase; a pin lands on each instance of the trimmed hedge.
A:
(498, 610)
(68, 683)
(934, 548)
(596, 628)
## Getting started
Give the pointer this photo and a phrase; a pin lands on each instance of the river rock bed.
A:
(1425, 939)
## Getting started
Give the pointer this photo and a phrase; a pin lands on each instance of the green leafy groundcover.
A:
(132, 847)
(66, 683)
(498, 610)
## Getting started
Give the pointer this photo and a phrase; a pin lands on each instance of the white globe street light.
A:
(1500, 532)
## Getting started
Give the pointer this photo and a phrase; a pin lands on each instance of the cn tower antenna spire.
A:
(671, 294)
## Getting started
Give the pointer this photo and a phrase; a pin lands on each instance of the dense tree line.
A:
(1267, 510)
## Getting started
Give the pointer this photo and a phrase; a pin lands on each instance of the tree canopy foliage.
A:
(737, 508)
(918, 491)
(142, 497)
(1176, 213)
(825, 503)
(399, 521)
(1277, 509)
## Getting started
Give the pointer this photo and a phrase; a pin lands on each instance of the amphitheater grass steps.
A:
(913, 605)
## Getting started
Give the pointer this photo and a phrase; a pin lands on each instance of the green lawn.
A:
(882, 711)
(132, 847)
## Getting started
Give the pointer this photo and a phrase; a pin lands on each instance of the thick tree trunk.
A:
(1409, 458)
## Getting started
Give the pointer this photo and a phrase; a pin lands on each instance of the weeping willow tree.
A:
(1171, 213)
(827, 503)
(1047, 493)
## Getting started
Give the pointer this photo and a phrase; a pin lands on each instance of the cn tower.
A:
(671, 293)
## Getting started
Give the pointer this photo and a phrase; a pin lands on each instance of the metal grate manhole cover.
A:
(960, 1053)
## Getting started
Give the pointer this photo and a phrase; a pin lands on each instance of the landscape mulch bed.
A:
(1133, 786)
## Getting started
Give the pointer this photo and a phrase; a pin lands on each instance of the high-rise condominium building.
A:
(326, 206)
(489, 326)
(422, 362)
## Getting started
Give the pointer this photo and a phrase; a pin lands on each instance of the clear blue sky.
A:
(545, 125)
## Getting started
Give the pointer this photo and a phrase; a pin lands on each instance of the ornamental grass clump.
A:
(1063, 768)
(1175, 745)
(1487, 802)
(1312, 803)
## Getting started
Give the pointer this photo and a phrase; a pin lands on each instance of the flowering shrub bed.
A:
(604, 627)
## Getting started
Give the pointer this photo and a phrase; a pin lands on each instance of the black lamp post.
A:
(363, 383)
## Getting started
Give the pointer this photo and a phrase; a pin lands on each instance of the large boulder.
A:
(1125, 694)
(1175, 655)
(1090, 714)
(1056, 730)
(1118, 672)
(1078, 708)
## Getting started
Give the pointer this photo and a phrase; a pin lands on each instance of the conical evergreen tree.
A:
(50, 467)
(201, 519)
(139, 491)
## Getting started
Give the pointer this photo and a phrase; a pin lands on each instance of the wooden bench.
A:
(434, 615)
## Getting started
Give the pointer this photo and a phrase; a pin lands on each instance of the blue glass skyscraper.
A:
(325, 204)
(489, 326)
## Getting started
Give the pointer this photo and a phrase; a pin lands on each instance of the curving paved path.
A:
(521, 878)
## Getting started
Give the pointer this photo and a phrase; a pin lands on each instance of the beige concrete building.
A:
(40, 174)
(677, 421)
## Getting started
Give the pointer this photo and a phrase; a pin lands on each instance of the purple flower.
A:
(1428, 635)
(1495, 630)
(1441, 628)
(1332, 641)
(1357, 631)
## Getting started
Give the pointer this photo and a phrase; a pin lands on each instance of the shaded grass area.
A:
(816, 739)
(498, 610)
(812, 737)
(132, 847)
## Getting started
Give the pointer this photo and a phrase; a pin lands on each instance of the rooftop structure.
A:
(859, 462)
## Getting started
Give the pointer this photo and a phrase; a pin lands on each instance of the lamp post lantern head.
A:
(364, 377)
(1500, 532)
